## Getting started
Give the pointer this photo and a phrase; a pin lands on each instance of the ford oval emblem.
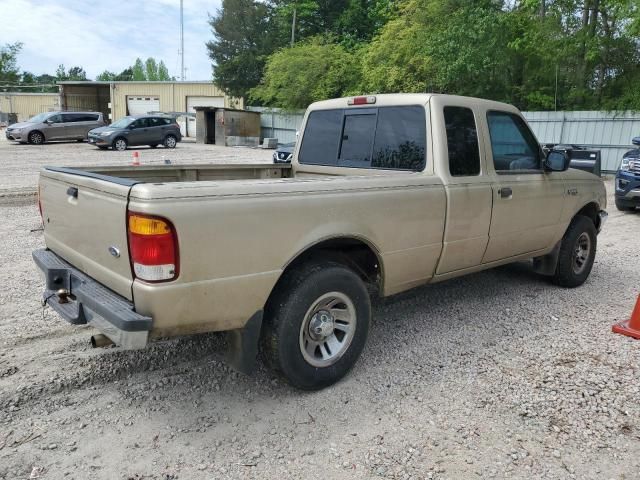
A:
(114, 251)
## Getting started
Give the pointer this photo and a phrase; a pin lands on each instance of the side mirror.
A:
(557, 161)
(48, 121)
(636, 141)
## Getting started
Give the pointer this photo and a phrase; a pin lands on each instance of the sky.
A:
(108, 34)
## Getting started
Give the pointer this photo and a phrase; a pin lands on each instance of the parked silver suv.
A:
(45, 127)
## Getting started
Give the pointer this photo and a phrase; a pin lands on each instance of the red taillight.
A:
(153, 247)
(370, 100)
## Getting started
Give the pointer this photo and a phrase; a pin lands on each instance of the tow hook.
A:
(63, 295)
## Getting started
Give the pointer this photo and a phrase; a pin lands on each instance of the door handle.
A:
(505, 192)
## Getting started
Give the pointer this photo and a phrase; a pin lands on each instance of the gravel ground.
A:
(494, 375)
(20, 164)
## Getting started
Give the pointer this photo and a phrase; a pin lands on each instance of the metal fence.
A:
(609, 132)
(276, 123)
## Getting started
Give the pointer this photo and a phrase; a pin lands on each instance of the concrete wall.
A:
(26, 105)
(173, 96)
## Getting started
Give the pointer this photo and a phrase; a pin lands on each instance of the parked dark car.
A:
(49, 126)
(284, 153)
(152, 130)
(628, 179)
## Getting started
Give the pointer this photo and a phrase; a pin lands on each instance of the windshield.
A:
(41, 117)
(123, 122)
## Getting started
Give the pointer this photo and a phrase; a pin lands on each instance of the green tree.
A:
(151, 69)
(9, 71)
(138, 71)
(243, 38)
(310, 71)
(106, 76)
(74, 73)
(163, 72)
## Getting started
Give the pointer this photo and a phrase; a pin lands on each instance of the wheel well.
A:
(37, 131)
(590, 210)
(351, 252)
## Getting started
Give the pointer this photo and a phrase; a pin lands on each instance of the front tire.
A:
(316, 324)
(170, 141)
(120, 144)
(577, 253)
(624, 207)
(36, 138)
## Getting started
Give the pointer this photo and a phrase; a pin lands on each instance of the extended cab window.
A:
(462, 142)
(513, 145)
(384, 137)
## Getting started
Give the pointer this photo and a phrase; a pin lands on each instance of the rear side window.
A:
(462, 142)
(155, 122)
(385, 137)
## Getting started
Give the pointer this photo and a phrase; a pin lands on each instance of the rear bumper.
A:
(89, 302)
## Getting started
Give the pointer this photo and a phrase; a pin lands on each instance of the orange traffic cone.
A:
(631, 327)
(136, 159)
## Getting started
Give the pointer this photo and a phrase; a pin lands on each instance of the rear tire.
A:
(316, 324)
(120, 144)
(36, 138)
(170, 141)
(577, 253)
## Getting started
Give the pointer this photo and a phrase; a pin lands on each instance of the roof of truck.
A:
(391, 99)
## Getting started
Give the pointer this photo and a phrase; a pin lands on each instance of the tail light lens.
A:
(153, 248)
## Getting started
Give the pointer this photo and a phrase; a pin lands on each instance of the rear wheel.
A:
(316, 324)
(577, 253)
(170, 141)
(36, 138)
(120, 144)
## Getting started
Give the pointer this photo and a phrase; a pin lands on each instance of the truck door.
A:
(467, 185)
(527, 202)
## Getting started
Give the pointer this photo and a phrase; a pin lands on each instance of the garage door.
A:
(142, 105)
(204, 102)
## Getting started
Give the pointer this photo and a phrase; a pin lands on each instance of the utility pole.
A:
(181, 42)
(293, 27)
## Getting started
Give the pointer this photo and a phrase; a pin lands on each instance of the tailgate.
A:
(84, 216)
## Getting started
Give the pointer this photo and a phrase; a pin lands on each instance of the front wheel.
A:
(577, 253)
(316, 324)
(120, 144)
(170, 141)
(36, 138)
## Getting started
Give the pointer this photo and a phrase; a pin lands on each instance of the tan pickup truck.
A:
(385, 193)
